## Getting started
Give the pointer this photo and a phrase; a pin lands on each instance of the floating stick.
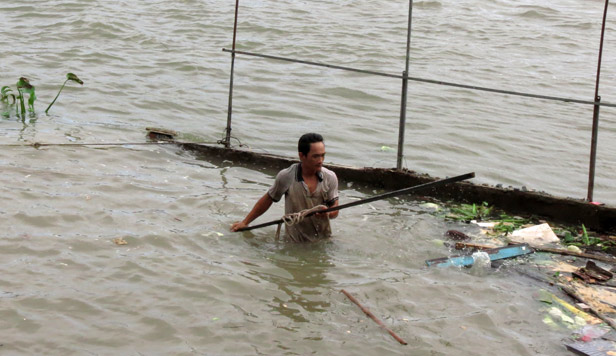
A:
(367, 312)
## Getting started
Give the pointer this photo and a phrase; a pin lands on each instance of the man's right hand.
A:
(238, 225)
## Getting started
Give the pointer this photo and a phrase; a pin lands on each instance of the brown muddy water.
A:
(183, 284)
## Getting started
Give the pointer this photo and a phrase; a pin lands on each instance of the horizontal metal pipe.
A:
(423, 80)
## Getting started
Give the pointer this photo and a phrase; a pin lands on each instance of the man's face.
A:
(314, 159)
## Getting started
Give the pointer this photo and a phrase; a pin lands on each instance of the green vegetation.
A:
(582, 238)
(506, 224)
(468, 212)
(9, 101)
(5, 95)
(69, 77)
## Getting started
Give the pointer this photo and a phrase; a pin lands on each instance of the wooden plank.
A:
(577, 254)
(593, 348)
(463, 245)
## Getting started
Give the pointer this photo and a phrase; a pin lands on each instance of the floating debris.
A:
(215, 233)
(592, 273)
(376, 320)
(535, 235)
(120, 241)
(592, 348)
(457, 235)
(494, 254)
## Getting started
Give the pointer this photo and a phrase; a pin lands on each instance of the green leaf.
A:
(23, 83)
(24, 87)
(31, 100)
(69, 77)
(568, 237)
(73, 77)
(585, 236)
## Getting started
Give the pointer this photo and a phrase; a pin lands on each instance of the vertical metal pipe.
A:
(593, 149)
(595, 116)
(405, 85)
(227, 141)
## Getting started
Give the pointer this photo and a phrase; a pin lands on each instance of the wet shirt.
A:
(290, 183)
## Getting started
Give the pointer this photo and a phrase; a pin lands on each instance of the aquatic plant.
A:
(5, 94)
(25, 88)
(468, 212)
(508, 224)
(504, 223)
(581, 237)
(69, 77)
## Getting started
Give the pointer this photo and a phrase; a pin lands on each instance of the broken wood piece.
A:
(592, 310)
(463, 245)
(368, 313)
(583, 307)
(576, 254)
(457, 235)
(158, 134)
(593, 273)
(593, 348)
(119, 241)
(606, 303)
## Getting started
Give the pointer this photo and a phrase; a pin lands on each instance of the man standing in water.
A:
(305, 185)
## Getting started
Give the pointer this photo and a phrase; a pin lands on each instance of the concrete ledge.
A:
(513, 201)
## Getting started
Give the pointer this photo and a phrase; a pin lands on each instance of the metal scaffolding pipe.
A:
(227, 140)
(405, 89)
(595, 116)
(422, 80)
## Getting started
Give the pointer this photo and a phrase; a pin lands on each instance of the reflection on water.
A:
(301, 274)
(28, 129)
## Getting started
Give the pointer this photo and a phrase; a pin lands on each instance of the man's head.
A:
(311, 151)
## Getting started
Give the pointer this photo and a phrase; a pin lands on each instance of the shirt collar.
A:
(300, 178)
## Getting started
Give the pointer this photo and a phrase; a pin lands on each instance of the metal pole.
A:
(401, 127)
(227, 141)
(595, 116)
(423, 80)
(405, 85)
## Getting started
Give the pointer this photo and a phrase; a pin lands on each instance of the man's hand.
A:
(238, 225)
(331, 214)
(322, 215)
(260, 207)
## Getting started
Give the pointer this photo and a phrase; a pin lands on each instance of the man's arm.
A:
(333, 214)
(260, 207)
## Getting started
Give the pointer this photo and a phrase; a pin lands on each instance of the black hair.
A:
(303, 145)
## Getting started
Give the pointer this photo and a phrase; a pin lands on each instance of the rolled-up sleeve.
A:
(332, 189)
(281, 185)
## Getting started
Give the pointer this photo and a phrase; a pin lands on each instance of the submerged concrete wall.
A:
(512, 201)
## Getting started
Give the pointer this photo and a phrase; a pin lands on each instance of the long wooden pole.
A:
(374, 198)
(376, 320)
